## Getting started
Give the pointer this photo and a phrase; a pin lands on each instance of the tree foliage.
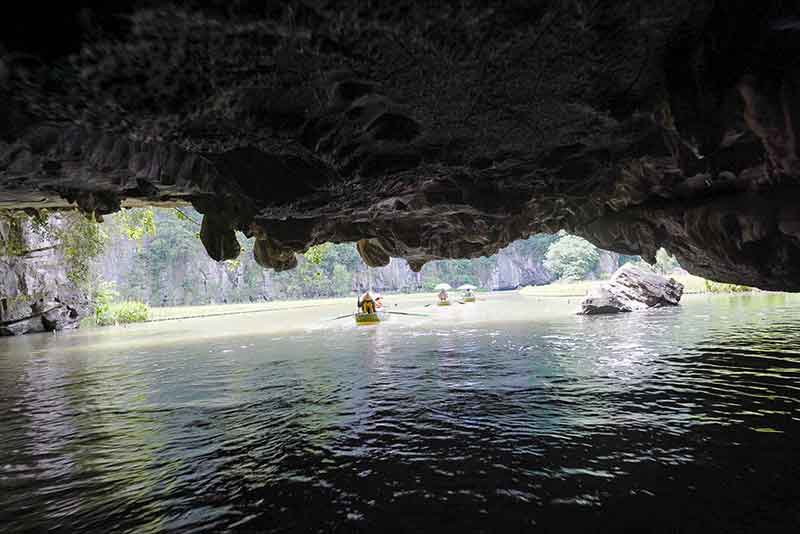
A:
(78, 236)
(12, 237)
(130, 311)
(136, 223)
(721, 287)
(171, 267)
(571, 257)
(104, 297)
(665, 262)
(318, 253)
(82, 239)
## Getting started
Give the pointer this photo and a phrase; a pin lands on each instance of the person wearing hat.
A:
(366, 304)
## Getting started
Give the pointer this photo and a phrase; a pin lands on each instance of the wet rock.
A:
(373, 254)
(630, 289)
(67, 312)
(271, 255)
(634, 128)
(219, 238)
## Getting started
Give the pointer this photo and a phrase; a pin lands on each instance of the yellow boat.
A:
(370, 318)
(443, 303)
(469, 299)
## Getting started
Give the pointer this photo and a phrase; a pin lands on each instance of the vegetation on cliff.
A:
(168, 266)
(153, 257)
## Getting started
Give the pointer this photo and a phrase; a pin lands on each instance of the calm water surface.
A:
(510, 416)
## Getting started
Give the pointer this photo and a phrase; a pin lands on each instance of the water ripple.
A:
(671, 420)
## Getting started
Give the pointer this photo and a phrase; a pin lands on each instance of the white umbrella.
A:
(439, 287)
(466, 286)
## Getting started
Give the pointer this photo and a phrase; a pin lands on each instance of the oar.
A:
(341, 317)
(406, 313)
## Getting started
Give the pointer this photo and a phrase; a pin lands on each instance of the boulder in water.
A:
(632, 288)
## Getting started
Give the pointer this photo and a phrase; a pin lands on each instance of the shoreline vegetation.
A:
(694, 285)
(212, 310)
(171, 313)
(147, 265)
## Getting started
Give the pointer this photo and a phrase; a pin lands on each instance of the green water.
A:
(512, 414)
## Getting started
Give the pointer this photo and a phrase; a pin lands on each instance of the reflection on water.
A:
(475, 419)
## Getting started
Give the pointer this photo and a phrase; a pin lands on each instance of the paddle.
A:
(406, 313)
(341, 317)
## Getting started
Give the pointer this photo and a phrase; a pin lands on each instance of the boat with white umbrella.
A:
(444, 298)
(468, 295)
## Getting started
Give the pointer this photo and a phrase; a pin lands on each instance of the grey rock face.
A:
(35, 293)
(515, 269)
(632, 289)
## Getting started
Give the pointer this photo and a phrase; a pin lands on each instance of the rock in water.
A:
(632, 288)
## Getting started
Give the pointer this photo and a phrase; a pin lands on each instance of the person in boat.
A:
(378, 302)
(443, 296)
(366, 304)
(468, 293)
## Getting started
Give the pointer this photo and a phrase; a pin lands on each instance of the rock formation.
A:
(421, 131)
(632, 288)
(35, 293)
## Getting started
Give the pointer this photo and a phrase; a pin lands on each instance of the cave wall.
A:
(424, 131)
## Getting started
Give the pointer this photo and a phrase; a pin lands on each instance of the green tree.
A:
(82, 239)
(136, 223)
(318, 253)
(12, 236)
(571, 257)
(721, 287)
(341, 281)
(665, 262)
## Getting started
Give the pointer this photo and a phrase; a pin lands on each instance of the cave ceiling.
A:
(420, 130)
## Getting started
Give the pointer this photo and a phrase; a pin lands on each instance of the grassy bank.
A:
(174, 312)
(691, 285)
(405, 301)
(111, 313)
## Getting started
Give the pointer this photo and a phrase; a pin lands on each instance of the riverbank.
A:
(569, 292)
(566, 291)
(692, 285)
(295, 319)
(212, 310)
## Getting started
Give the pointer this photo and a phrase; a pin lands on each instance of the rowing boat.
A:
(370, 318)
(469, 299)
(443, 303)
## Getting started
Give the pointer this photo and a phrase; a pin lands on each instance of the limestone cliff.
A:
(35, 293)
